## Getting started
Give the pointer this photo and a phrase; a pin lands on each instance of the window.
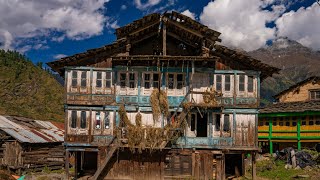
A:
(132, 80)
(311, 122)
(303, 122)
(156, 79)
(83, 120)
(170, 81)
(294, 123)
(83, 79)
(108, 80)
(180, 81)
(217, 126)
(241, 82)
(107, 120)
(123, 77)
(227, 85)
(74, 81)
(315, 95)
(99, 80)
(226, 123)
(261, 123)
(267, 123)
(218, 82)
(281, 121)
(317, 120)
(287, 123)
(98, 120)
(147, 81)
(73, 119)
(274, 121)
(250, 83)
(193, 122)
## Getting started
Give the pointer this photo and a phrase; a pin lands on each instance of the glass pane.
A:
(218, 87)
(179, 85)
(99, 83)
(131, 76)
(122, 84)
(170, 81)
(122, 76)
(107, 120)
(74, 82)
(147, 85)
(108, 75)
(131, 84)
(83, 123)
(155, 77)
(108, 84)
(217, 125)
(294, 123)
(83, 82)
(155, 84)
(227, 83)
(147, 77)
(99, 75)
(311, 122)
(179, 77)
(73, 119)
(74, 74)
(287, 123)
(98, 120)
(218, 78)
(83, 74)
(226, 124)
(303, 123)
(250, 83)
(218, 82)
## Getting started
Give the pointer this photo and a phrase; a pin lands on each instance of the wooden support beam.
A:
(254, 169)
(67, 164)
(164, 37)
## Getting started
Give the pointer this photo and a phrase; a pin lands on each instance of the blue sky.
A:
(47, 30)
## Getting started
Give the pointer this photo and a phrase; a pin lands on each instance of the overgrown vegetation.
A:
(28, 90)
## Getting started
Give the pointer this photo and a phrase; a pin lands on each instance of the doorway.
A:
(202, 124)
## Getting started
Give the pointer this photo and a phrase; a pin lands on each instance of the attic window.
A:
(315, 94)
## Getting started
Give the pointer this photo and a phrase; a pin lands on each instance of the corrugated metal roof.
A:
(35, 131)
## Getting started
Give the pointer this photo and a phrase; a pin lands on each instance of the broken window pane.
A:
(98, 120)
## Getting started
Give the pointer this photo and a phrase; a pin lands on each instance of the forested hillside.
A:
(28, 90)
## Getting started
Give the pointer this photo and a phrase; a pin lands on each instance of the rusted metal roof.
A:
(31, 131)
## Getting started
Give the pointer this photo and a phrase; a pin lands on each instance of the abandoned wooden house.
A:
(31, 145)
(163, 101)
(294, 121)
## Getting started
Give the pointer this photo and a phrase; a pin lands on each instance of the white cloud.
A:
(189, 14)
(146, 5)
(112, 25)
(74, 19)
(302, 26)
(59, 56)
(242, 23)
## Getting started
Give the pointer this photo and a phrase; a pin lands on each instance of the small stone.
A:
(288, 166)
(298, 167)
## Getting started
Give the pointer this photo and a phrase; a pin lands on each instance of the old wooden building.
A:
(31, 145)
(163, 101)
(294, 120)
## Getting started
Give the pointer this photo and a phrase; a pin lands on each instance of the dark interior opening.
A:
(233, 165)
(202, 126)
(86, 163)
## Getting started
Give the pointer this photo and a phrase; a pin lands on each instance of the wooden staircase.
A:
(101, 170)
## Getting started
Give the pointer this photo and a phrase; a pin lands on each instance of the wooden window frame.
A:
(98, 120)
(218, 82)
(227, 84)
(108, 79)
(241, 83)
(83, 119)
(314, 95)
(83, 79)
(73, 119)
(250, 84)
(99, 79)
(74, 78)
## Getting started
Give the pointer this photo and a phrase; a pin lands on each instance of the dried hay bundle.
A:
(135, 138)
(209, 97)
(163, 103)
(124, 120)
(138, 119)
(154, 101)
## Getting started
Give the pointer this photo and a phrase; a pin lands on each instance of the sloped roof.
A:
(27, 130)
(313, 79)
(292, 107)
(226, 53)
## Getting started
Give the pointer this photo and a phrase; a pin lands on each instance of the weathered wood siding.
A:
(300, 93)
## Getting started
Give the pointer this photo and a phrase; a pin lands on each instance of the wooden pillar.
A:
(254, 171)
(67, 164)
(220, 169)
(164, 37)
